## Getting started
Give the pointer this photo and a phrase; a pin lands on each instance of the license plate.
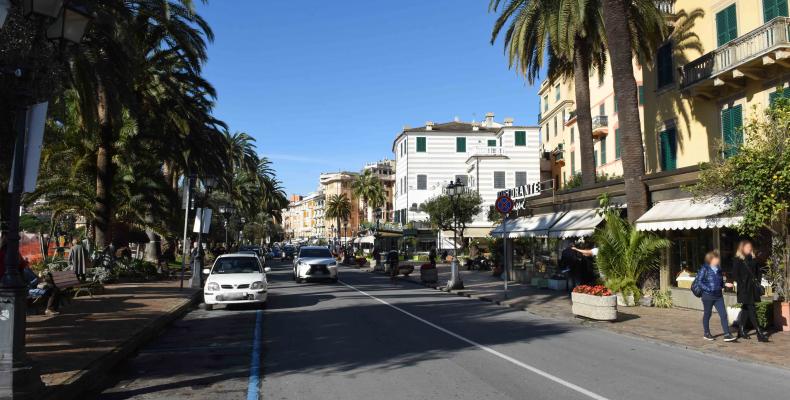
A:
(235, 296)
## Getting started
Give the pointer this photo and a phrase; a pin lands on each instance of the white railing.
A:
(773, 34)
(487, 151)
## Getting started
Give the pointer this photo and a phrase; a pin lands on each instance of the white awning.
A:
(536, 225)
(576, 223)
(367, 239)
(687, 214)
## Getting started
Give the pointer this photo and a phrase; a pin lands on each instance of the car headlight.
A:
(212, 286)
(257, 285)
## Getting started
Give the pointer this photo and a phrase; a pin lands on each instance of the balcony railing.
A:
(600, 121)
(487, 151)
(775, 33)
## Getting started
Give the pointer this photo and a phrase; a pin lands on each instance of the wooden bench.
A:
(69, 283)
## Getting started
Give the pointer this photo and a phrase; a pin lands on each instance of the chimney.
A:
(475, 126)
(508, 121)
(429, 126)
(489, 119)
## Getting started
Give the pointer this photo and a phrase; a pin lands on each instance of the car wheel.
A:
(209, 307)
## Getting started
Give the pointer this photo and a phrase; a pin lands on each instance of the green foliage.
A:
(626, 254)
(368, 187)
(765, 313)
(441, 210)
(662, 299)
(574, 182)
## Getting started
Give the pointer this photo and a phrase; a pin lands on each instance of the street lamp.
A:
(455, 190)
(241, 230)
(226, 212)
(196, 282)
(18, 378)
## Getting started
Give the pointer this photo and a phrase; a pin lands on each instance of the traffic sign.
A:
(504, 204)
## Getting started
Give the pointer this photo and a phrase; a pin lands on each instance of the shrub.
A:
(662, 299)
(765, 314)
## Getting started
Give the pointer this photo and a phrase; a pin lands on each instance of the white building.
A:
(487, 156)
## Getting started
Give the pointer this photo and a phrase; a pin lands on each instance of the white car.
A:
(313, 263)
(235, 279)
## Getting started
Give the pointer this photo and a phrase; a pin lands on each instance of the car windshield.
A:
(236, 265)
(313, 253)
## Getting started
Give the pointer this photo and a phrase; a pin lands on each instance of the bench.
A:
(68, 283)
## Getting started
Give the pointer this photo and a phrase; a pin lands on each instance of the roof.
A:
(460, 127)
(687, 214)
(237, 255)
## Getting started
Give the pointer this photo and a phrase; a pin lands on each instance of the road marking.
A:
(505, 357)
(254, 387)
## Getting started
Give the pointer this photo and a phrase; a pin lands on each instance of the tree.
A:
(620, 18)
(338, 206)
(442, 212)
(368, 187)
(756, 181)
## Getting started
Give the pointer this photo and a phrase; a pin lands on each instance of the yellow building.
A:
(697, 102)
(559, 133)
(336, 183)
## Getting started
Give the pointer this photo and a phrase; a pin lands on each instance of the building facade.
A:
(385, 172)
(339, 183)
(488, 157)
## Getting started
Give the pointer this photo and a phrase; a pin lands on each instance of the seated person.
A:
(45, 290)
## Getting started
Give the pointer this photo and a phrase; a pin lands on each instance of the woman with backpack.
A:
(748, 276)
(708, 285)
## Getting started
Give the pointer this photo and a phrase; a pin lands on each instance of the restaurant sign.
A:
(519, 194)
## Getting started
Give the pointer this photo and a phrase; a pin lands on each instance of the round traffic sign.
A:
(504, 204)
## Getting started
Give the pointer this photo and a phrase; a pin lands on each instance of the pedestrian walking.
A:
(748, 276)
(78, 259)
(711, 280)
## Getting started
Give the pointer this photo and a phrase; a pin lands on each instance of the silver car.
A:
(314, 263)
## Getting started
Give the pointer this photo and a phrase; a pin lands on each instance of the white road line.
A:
(505, 357)
(254, 385)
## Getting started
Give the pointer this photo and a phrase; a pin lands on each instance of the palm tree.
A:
(571, 41)
(339, 207)
(619, 17)
(368, 187)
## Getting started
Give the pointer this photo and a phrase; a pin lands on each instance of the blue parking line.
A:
(254, 387)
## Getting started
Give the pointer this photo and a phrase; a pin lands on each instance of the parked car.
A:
(313, 263)
(277, 253)
(235, 279)
(256, 254)
(288, 252)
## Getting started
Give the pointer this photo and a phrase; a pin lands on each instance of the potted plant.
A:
(557, 282)
(429, 273)
(594, 302)
(776, 276)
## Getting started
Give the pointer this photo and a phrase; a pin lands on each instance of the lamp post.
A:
(18, 378)
(226, 211)
(196, 281)
(455, 190)
(241, 230)
(189, 183)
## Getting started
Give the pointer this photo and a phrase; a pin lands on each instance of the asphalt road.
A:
(367, 338)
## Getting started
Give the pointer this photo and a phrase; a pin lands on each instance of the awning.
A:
(576, 223)
(536, 225)
(367, 239)
(687, 214)
(471, 232)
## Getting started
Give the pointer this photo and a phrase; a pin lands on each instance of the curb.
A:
(95, 374)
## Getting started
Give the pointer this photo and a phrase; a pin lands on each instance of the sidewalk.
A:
(73, 350)
(676, 326)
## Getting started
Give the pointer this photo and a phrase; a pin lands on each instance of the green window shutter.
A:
(668, 149)
(421, 145)
(641, 95)
(773, 9)
(573, 164)
(779, 94)
(492, 143)
(602, 109)
(573, 135)
(617, 149)
(603, 150)
(664, 65)
(460, 145)
(615, 103)
(731, 130)
(521, 137)
(726, 25)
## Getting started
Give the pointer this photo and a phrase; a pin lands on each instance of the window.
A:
(499, 179)
(731, 129)
(602, 109)
(421, 145)
(547, 131)
(563, 116)
(460, 145)
(726, 25)
(641, 90)
(557, 93)
(546, 103)
(555, 126)
(463, 178)
(668, 148)
(573, 164)
(664, 65)
(492, 143)
(779, 94)
(603, 150)
(617, 145)
(595, 158)
(521, 178)
(615, 102)
(773, 9)
(573, 135)
(422, 182)
(521, 138)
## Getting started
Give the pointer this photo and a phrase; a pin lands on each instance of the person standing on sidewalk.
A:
(748, 276)
(711, 280)
(78, 259)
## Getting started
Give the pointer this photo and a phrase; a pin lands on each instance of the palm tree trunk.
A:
(633, 156)
(102, 205)
(581, 78)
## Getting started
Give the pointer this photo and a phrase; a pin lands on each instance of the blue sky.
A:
(327, 85)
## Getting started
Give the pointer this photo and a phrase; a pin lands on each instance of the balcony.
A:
(487, 151)
(749, 56)
(559, 154)
(600, 126)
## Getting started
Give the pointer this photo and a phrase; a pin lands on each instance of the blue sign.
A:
(504, 204)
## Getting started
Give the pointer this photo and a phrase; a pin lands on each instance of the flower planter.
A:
(520, 275)
(601, 308)
(557, 284)
(625, 301)
(782, 315)
(539, 282)
(429, 275)
(732, 315)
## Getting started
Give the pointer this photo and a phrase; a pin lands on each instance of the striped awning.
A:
(576, 223)
(687, 214)
(536, 225)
